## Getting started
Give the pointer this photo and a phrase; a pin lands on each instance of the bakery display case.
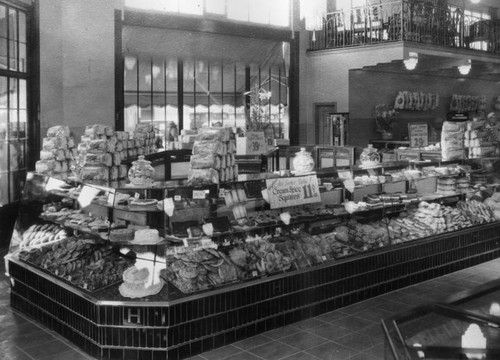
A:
(173, 269)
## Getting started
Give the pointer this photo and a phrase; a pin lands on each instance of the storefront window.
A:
(13, 102)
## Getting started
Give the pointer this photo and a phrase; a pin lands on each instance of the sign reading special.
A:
(292, 191)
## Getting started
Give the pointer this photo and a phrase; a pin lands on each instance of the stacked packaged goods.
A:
(58, 148)
(452, 141)
(143, 140)
(213, 160)
(478, 140)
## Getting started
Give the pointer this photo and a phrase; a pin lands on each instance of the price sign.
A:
(344, 175)
(199, 194)
(418, 134)
(349, 185)
(293, 191)
(111, 198)
(254, 143)
(87, 195)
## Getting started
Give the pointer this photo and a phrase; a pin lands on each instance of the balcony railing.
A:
(408, 20)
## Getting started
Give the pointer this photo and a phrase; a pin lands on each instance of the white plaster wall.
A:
(77, 77)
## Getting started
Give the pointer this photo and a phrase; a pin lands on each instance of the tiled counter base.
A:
(175, 329)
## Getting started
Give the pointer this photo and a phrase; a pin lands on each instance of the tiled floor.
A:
(352, 332)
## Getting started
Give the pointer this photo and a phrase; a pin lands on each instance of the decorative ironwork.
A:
(423, 21)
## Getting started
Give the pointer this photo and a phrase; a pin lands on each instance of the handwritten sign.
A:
(293, 191)
(254, 143)
(418, 134)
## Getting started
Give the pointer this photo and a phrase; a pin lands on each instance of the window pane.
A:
(238, 9)
(216, 6)
(158, 75)
(189, 94)
(144, 74)
(3, 92)
(279, 11)
(194, 7)
(13, 25)
(13, 55)
(259, 11)
(16, 185)
(4, 188)
(22, 57)
(13, 124)
(3, 53)
(3, 22)
(130, 68)
(22, 27)
(13, 93)
(22, 94)
(23, 123)
(4, 159)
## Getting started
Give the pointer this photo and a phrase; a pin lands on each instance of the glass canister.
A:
(370, 156)
(303, 161)
(141, 173)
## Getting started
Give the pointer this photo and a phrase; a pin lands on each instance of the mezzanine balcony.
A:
(414, 21)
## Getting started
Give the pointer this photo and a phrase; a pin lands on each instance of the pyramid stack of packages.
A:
(58, 148)
(144, 137)
(213, 160)
(452, 141)
(100, 154)
(479, 140)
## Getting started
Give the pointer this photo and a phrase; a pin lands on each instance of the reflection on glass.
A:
(4, 158)
(22, 58)
(23, 96)
(3, 53)
(4, 123)
(14, 153)
(13, 39)
(13, 85)
(4, 188)
(22, 27)
(13, 124)
(3, 22)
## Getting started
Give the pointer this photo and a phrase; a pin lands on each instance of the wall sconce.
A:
(314, 13)
(465, 68)
(412, 61)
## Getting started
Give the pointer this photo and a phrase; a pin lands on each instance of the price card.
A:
(111, 198)
(137, 195)
(168, 206)
(177, 198)
(222, 192)
(323, 258)
(344, 175)
(418, 134)
(349, 185)
(254, 143)
(199, 194)
(54, 184)
(87, 195)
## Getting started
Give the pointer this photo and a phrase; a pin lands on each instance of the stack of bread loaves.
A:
(213, 159)
(452, 141)
(58, 148)
(100, 154)
(478, 140)
(144, 139)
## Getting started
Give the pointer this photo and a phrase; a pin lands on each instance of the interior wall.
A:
(369, 88)
(324, 77)
(77, 71)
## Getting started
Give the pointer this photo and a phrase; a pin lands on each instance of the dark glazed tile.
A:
(303, 340)
(281, 332)
(273, 350)
(332, 351)
(358, 341)
(330, 331)
(374, 331)
(221, 353)
(252, 342)
(377, 351)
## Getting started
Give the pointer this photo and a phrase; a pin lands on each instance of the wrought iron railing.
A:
(409, 20)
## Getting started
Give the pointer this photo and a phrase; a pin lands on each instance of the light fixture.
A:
(475, 1)
(412, 61)
(130, 62)
(465, 68)
(314, 13)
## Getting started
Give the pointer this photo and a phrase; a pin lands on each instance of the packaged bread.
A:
(141, 151)
(473, 125)
(450, 126)
(122, 135)
(144, 127)
(231, 146)
(98, 129)
(201, 177)
(222, 175)
(94, 173)
(140, 143)
(61, 166)
(116, 158)
(205, 161)
(208, 147)
(123, 155)
(140, 136)
(83, 147)
(213, 133)
(102, 145)
(97, 159)
(229, 174)
(229, 160)
(223, 161)
(44, 166)
(119, 145)
(235, 172)
(54, 154)
(114, 173)
(52, 143)
(122, 171)
(58, 131)
(130, 143)
(71, 142)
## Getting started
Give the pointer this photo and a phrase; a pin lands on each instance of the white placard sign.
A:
(254, 143)
(418, 134)
(293, 191)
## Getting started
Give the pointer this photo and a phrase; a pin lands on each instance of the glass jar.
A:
(303, 161)
(369, 156)
(141, 173)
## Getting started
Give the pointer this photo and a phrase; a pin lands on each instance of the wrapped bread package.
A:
(44, 166)
(54, 154)
(58, 131)
(141, 151)
(208, 147)
(222, 175)
(141, 136)
(102, 145)
(116, 158)
(205, 161)
(122, 171)
(452, 141)
(61, 166)
(130, 143)
(231, 146)
(98, 129)
(144, 128)
(200, 177)
(122, 135)
(97, 159)
(119, 145)
(83, 147)
(54, 143)
(96, 173)
(213, 133)
(114, 173)
(140, 143)
(223, 162)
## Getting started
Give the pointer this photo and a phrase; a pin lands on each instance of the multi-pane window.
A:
(208, 93)
(13, 102)
(269, 12)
